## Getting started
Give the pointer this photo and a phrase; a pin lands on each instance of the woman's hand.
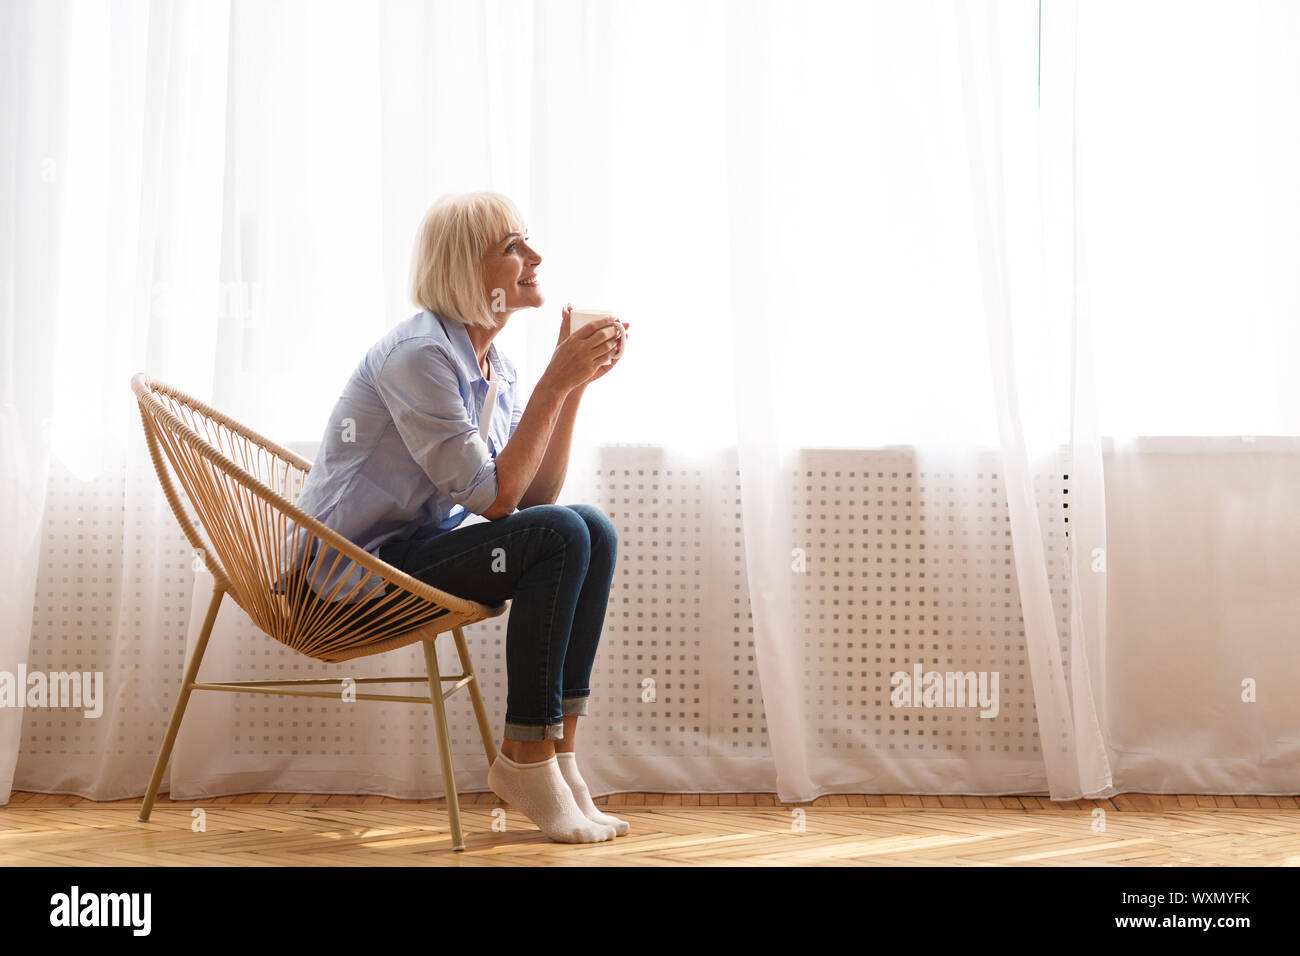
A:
(579, 357)
(618, 351)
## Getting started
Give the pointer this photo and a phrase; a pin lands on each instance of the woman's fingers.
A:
(565, 319)
(600, 335)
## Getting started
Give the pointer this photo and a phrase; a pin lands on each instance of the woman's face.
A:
(510, 275)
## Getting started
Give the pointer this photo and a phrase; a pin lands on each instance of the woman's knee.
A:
(565, 522)
(599, 526)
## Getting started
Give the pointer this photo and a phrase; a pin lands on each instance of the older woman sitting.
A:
(433, 426)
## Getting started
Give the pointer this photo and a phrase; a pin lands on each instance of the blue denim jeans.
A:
(555, 563)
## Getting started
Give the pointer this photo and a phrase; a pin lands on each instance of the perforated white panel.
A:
(908, 566)
(113, 595)
(904, 566)
(679, 610)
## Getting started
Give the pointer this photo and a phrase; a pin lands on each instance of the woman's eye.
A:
(510, 248)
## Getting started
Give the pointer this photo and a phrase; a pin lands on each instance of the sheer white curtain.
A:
(850, 239)
(113, 151)
(1022, 144)
(905, 206)
(32, 151)
(1189, 138)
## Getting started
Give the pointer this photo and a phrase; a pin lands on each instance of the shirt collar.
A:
(460, 341)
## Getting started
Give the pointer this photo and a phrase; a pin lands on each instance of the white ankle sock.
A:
(569, 768)
(540, 792)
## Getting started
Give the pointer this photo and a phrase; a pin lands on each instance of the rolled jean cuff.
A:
(575, 706)
(534, 731)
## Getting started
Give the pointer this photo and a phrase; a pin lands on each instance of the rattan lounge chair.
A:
(252, 538)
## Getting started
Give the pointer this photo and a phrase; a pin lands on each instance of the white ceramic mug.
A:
(580, 317)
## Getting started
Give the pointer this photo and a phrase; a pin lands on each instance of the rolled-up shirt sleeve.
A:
(419, 386)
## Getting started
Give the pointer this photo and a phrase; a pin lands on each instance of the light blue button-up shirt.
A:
(403, 455)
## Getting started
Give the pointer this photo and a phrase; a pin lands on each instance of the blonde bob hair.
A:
(447, 262)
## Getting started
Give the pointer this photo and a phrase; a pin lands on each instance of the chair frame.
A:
(154, 415)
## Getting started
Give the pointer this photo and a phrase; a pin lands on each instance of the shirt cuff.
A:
(480, 499)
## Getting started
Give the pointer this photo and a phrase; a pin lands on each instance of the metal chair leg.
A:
(182, 699)
(480, 712)
(444, 744)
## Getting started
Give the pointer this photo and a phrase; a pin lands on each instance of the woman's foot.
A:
(540, 792)
(582, 795)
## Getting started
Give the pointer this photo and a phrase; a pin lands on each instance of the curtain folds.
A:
(1027, 246)
(33, 154)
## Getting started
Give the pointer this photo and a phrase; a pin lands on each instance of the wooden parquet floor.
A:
(700, 829)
